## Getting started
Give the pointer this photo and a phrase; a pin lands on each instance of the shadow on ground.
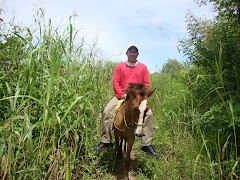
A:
(108, 162)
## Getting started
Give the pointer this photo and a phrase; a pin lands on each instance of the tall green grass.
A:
(52, 92)
(199, 117)
(54, 87)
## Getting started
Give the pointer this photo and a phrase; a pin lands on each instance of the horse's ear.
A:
(150, 92)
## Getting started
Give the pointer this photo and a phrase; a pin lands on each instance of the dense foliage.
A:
(214, 44)
(213, 49)
(54, 87)
(51, 95)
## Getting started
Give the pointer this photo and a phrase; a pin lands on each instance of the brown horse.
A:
(129, 119)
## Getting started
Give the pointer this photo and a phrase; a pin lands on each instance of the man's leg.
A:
(106, 131)
(148, 131)
(106, 135)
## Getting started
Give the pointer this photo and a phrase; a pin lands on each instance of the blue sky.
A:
(155, 26)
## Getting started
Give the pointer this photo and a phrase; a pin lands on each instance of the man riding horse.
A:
(127, 72)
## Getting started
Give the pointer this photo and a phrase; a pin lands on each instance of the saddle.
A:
(119, 103)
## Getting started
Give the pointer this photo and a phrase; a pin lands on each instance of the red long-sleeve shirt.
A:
(124, 74)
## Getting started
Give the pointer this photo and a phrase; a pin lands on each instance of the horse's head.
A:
(138, 96)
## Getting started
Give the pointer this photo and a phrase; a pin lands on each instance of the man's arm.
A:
(119, 92)
(146, 79)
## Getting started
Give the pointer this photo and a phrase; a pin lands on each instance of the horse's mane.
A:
(140, 88)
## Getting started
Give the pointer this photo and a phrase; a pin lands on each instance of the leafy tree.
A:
(171, 65)
(228, 9)
(215, 45)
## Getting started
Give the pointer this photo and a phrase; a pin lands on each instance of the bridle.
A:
(125, 122)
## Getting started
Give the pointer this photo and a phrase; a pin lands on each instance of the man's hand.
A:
(124, 96)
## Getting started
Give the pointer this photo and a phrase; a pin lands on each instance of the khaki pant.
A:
(106, 135)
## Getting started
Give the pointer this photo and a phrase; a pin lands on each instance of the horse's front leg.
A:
(130, 142)
(118, 147)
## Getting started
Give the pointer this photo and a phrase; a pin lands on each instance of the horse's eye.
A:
(134, 108)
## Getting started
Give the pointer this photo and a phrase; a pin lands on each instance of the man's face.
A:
(132, 55)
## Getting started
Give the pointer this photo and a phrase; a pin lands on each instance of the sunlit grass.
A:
(52, 109)
(54, 87)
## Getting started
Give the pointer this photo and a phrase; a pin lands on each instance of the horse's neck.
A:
(128, 110)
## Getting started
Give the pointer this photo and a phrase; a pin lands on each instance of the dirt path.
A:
(119, 172)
